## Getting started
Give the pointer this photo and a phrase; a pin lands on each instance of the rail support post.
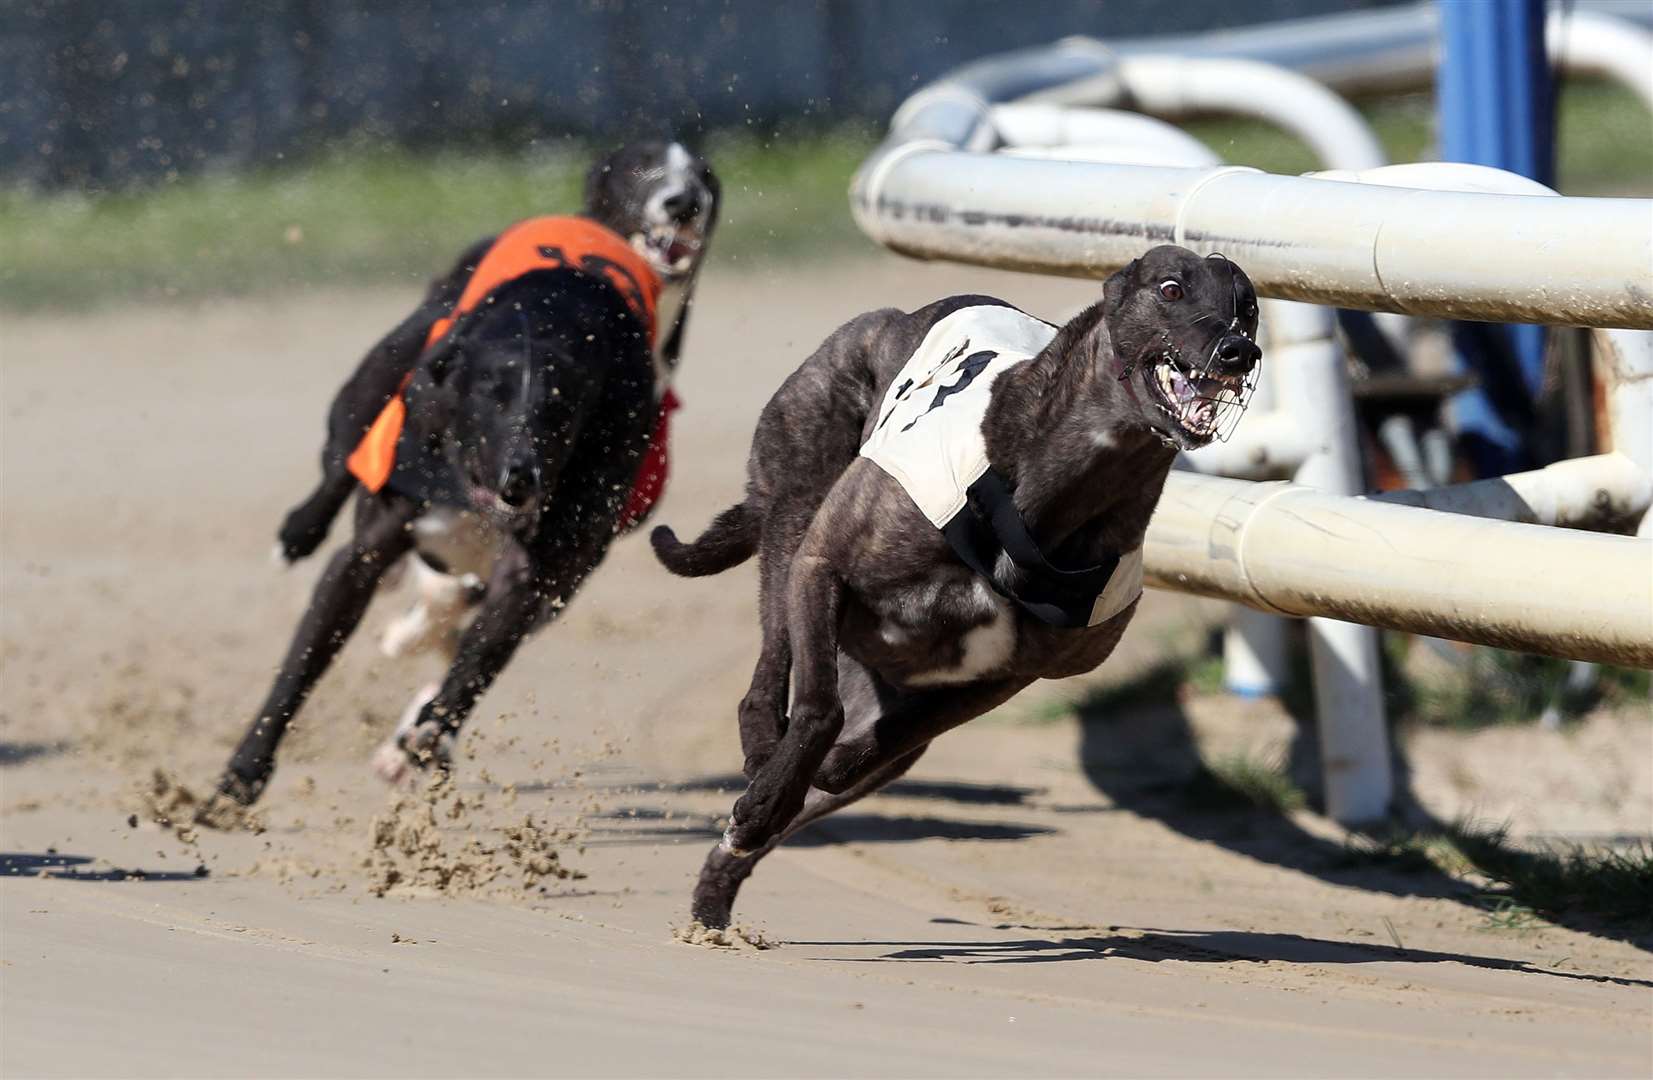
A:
(1312, 382)
(1497, 109)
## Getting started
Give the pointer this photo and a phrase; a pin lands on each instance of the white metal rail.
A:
(1370, 238)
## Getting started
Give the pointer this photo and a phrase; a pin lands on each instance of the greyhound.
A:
(659, 197)
(528, 431)
(948, 505)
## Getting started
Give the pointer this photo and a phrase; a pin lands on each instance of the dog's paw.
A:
(298, 538)
(414, 747)
(748, 829)
(241, 790)
(391, 764)
(731, 845)
(429, 746)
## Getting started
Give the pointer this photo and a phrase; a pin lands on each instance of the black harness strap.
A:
(989, 524)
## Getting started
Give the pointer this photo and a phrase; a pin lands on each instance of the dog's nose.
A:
(516, 486)
(1238, 352)
(683, 206)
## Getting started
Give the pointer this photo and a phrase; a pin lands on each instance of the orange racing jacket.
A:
(541, 243)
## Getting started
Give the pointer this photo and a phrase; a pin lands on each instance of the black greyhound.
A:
(948, 505)
(659, 197)
(523, 425)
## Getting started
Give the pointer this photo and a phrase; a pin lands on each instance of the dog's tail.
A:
(730, 540)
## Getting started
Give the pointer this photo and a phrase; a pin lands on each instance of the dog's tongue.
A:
(677, 251)
(1201, 414)
(1200, 398)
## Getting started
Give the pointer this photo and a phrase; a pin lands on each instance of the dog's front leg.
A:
(722, 874)
(306, 525)
(340, 598)
(512, 607)
(814, 599)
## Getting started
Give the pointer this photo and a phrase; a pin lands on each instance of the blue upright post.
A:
(1497, 108)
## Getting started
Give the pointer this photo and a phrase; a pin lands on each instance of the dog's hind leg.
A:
(814, 597)
(340, 598)
(762, 714)
(722, 874)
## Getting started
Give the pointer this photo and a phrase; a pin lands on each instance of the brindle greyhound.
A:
(900, 603)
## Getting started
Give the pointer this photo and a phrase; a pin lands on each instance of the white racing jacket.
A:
(928, 437)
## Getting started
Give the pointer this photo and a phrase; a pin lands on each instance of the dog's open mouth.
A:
(485, 500)
(1199, 403)
(670, 248)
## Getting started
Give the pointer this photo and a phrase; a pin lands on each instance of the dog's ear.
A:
(597, 202)
(714, 187)
(1113, 289)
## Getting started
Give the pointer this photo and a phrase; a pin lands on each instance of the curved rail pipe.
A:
(1459, 255)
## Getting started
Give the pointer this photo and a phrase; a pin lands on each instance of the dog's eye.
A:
(1170, 289)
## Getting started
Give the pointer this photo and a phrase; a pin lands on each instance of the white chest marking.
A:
(463, 541)
(986, 648)
(672, 296)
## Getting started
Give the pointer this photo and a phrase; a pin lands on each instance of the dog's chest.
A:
(458, 542)
(673, 295)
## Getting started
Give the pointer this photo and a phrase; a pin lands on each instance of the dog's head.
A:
(1183, 330)
(505, 392)
(661, 198)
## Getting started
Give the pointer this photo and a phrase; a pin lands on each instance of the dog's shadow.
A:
(19, 753)
(57, 867)
(1137, 748)
(644, 824)
(1153, 946)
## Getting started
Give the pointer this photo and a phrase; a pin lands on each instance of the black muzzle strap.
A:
(990, 525)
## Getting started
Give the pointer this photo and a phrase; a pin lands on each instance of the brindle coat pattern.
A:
(860, 594)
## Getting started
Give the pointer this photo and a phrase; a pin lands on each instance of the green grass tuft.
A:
(1241, 782)
(1514, 882)
(1469, 688)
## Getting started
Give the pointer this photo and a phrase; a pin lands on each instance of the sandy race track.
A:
(1017, 907)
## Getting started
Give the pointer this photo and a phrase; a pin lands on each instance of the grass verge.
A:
(1241, 781)
(377, 215)
(362, 213)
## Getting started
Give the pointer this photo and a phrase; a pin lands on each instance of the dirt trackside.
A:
(1030, 902)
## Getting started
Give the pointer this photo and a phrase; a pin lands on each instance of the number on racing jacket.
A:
(970, 367)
